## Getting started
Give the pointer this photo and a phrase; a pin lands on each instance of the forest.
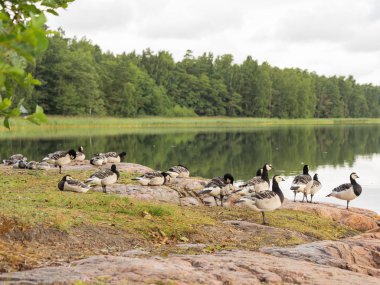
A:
(78, 78)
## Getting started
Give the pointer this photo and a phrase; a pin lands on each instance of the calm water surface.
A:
(331, 151)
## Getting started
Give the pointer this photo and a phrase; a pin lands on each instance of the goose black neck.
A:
(265, 175)
(356, 186)
(276, 189)
(305, 170)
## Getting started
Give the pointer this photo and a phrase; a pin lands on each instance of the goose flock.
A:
(256, 193)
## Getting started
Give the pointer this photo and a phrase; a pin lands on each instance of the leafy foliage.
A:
(23, 36)
(77, 78)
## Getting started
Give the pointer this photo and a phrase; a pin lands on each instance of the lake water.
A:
(331, 151)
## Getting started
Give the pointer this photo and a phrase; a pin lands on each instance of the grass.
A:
(34, 213)
(59, 126)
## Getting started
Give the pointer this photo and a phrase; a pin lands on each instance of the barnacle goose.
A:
(302, 183)
(315, 187)
(219, 187)
(258, 183)
(98, 160)
(347, 191)
(13, 159)
(153, 178)
(80, 155)
(104, 177)
(179, 171)
(113, 157)
(69, 184)
(266, 200)
(60, 158)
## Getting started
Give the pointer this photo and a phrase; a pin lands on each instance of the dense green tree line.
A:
(78, 78)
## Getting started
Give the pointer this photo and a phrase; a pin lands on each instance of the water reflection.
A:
(330, 150)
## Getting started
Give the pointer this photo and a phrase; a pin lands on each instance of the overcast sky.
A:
(330, 37)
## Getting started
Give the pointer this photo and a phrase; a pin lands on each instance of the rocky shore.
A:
(352, 260)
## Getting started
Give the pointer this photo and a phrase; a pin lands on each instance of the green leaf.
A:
(6, 123)
(5, 104)
(38, 117)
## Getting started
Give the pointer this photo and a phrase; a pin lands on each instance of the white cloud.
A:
(330, 37)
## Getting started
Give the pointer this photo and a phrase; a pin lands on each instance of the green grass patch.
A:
(59, 126)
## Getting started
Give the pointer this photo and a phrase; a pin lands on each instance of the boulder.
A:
(360, 253)
(227, 267)
(355, 218)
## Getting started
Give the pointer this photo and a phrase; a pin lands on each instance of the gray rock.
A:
(228, 267)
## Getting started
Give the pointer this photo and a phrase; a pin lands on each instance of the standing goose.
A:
(347, 191)
(219, 187)
(80, 155)
(179, 171)
(104, 177)
(302, 183)
(60, 158)
(153, 178)
(258, 183)
(113, 157)
(69, 184)
(266, 200)
(315, 187)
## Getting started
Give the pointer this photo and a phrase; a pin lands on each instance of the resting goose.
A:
(266, 200)
(179, 171)
(104, 177)
(69, 184)
(315, 187)
(219, 187)
(302, 183)
(13, 159)
(80, 155)
(113, 157)
(347, 191)
(98, 160)
(60, 158)
(258, 183)
(153, 178)
(43, 165)
(20, 164)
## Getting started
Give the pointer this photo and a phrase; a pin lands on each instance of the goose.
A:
(113, 157)
(302, 183)
(347, 191)
(153, 178)
(104, 177)
(258, 183)
(266, 200)
(67, 183)
(179, 171)
(20, 164)
(98, 160)
(43, 165)
(219, 187)
(60, 158)
(315, 187)
(13, 159)
(32, 165)
(80, 155)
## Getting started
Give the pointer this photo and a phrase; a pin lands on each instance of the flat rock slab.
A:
(150, 193)
(355, 218)
(360, 253)
(228, 267)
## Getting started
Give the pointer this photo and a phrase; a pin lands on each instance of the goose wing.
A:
(111, 154)
(151, 175)
(178, 168)
(102, 174)
(301, 179)
(252, 182)
(56, 155)
(263, 195)
(342, 187)
(78, 183)
(216, 182)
